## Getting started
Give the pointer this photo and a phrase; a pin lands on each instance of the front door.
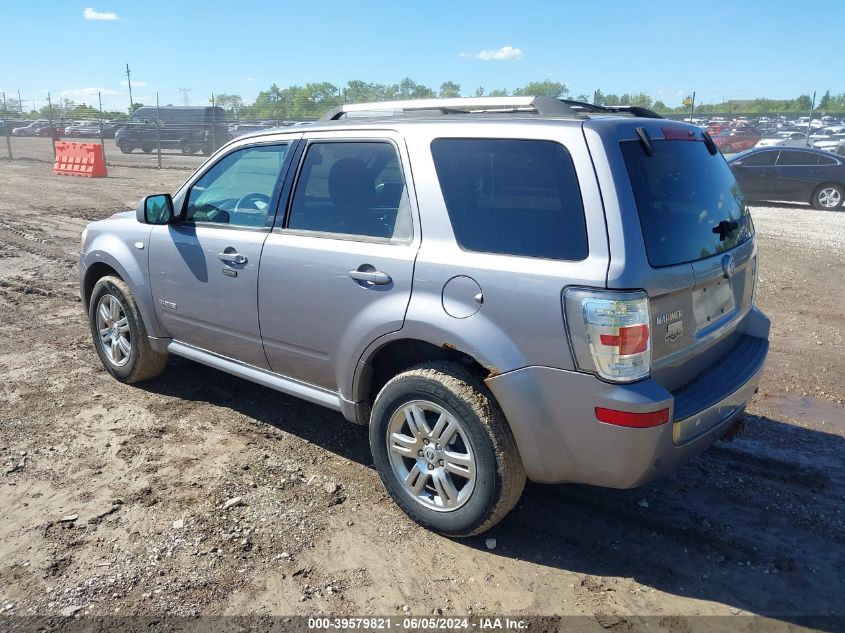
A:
(204, 268)
(336, 274)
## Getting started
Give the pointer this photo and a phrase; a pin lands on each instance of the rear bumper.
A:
(552, 415)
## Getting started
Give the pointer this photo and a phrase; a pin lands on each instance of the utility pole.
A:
(8, 129)
(692, 107)
(810, 122)
(185, 97)
(20, 103)
(129, 83)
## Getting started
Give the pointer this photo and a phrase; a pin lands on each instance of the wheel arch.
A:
(112, 256)
(392, 355)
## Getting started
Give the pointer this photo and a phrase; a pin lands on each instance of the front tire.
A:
(828, 197)
(444, 451)
(119, 334)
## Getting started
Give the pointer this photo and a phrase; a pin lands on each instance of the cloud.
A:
(90, 92)
(136, 84)
(91, 14)
(249, 79)
(504, 53)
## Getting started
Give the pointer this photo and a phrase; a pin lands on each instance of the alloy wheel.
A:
(431, 455)
(113, 329)
(829, 197)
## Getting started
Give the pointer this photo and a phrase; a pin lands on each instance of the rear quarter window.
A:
(514, 197)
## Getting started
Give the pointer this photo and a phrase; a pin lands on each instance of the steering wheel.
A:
(254, 199)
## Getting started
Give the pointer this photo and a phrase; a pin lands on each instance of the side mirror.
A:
(157, 209)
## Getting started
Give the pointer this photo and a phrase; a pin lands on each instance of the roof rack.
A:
(543, 106)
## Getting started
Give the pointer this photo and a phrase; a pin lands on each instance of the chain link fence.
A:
(183, 136)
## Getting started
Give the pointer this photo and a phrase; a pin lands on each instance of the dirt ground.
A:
(113, 498)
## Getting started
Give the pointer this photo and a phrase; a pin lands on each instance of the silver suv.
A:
(500, 288)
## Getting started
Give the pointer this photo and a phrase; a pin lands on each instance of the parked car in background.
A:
(83, 129)
(186, 128)
(831, 143)
(784, 139)
(736, 140)
(717, 126)
(53, 130)
(31, 129)
(791, 175)
(7, 125)
(825, 133)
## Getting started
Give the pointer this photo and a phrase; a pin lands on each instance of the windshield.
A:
(689, 204)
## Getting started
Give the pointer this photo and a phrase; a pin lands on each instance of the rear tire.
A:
(147, 150)
(126, 149)
(828, 197)
(473, 478)
(116, 325)
(186, 148)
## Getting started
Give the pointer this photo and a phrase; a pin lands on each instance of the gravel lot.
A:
(118, 498)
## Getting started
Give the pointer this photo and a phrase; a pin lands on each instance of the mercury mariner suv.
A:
(501, 288)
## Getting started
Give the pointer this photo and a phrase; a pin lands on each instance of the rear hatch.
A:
(690, 244)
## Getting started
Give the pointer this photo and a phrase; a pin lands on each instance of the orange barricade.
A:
(80, 159)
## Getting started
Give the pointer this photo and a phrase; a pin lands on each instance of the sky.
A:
(722, 49)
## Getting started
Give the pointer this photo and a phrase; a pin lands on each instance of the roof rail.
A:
(544, 106)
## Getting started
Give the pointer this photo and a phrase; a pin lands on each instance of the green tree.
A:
(584, 98)
(450, 89)
(546, 88)
(611, 100)
(409, 89)
(825, 101)
(598, 97)
(479, 92)
(232, 103)
(641, 100)
(500, 92)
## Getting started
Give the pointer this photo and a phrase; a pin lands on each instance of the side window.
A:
(351, 188)
(761, 159)
(238, 189)
(795, 159)
(824, 160)
(516, 197)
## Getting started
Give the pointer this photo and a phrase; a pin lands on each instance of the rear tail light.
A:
(609, 333)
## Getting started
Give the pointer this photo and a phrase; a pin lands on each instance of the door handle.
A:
(375, 277)
(233, 257)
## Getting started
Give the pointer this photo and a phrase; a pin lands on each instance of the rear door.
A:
(798, 174)
(336, 271)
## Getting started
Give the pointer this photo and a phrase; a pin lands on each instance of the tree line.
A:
(301, 103)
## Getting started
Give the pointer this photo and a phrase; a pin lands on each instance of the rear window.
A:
(689, 204)
(515, 197)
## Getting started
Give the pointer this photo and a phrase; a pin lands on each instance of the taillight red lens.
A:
(632, 420)
(630, 340)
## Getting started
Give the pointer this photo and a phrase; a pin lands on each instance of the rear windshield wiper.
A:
(725, 228)
(645, 139)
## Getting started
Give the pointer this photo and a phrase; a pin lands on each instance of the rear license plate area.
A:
(713, 301)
